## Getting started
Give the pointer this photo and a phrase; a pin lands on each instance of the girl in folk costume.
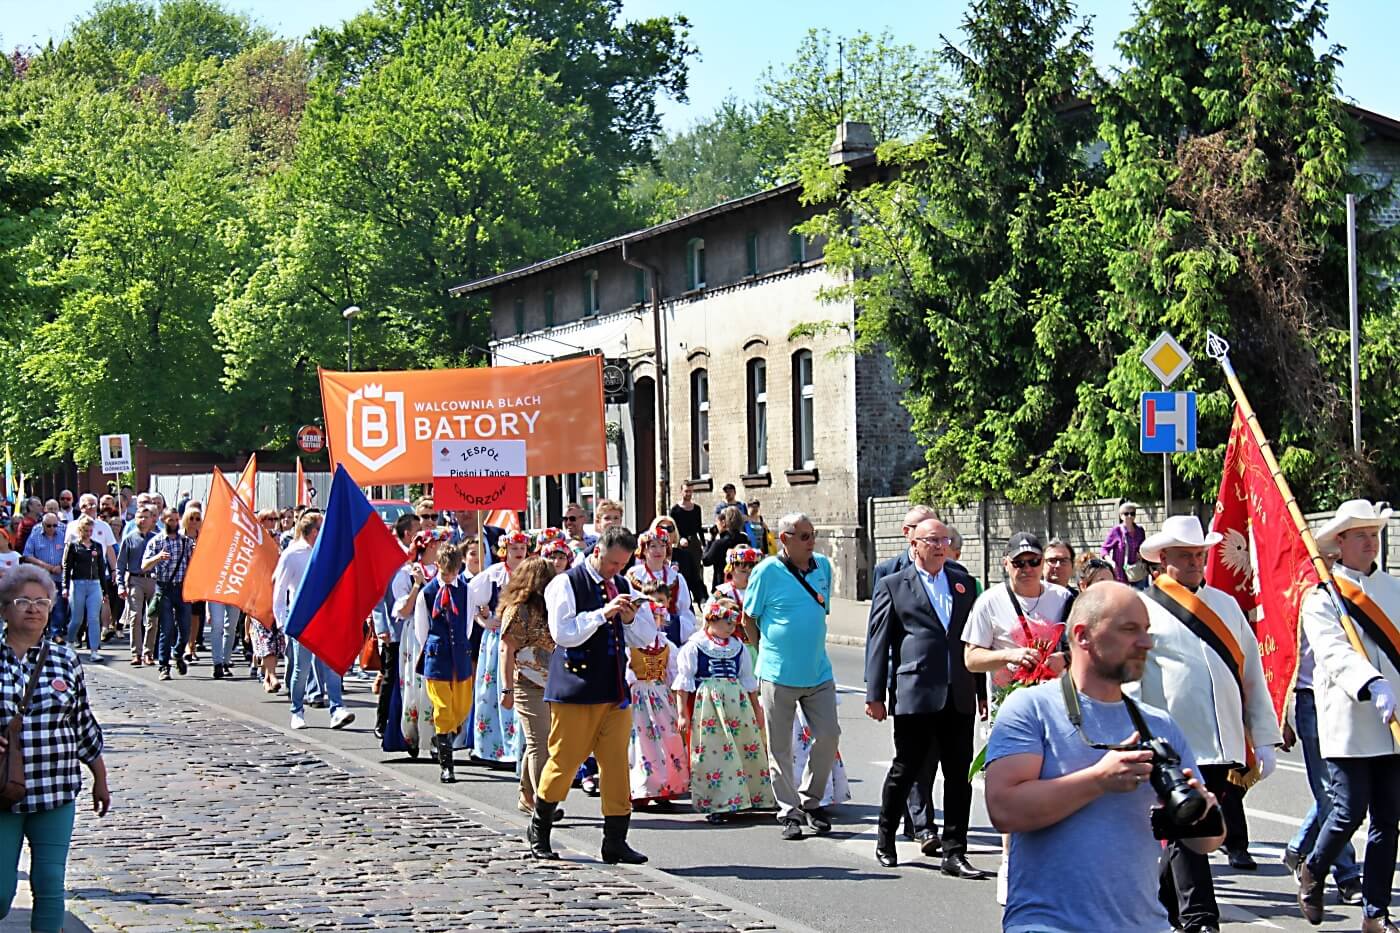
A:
(657, 756)
(495, 735)
(728, 758)
(557, 554)
(443, 626)
(654, 570)
(739, 564)
(416, 716)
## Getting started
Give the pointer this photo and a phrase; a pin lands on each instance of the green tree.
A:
(975, 264)
(452, 160)
(257, 99)
(1229, 154)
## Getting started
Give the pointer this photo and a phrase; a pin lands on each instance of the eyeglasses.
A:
(1130, 512)
(1022, 564)
(803, 535)
(572, 518)
(431, 515)
(1057, 560)
(24, 603)
(935, 541)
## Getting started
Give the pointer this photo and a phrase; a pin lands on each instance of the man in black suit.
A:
(913, 656)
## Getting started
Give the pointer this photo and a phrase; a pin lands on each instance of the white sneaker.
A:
(341, 718)
(298, 721)
(94, 657)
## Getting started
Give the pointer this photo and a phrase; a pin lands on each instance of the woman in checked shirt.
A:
(60, 735)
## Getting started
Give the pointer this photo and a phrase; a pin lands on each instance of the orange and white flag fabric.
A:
(235, 559)
(248, 482)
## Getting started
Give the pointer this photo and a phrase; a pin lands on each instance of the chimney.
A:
(853, 141)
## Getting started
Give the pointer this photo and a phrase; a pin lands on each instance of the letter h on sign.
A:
(1168, 422)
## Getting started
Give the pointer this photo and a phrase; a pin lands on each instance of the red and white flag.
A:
(1262, 561)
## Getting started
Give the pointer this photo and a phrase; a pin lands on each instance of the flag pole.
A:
(1218, 350)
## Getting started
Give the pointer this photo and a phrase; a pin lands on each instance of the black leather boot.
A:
(615, 847)
(444, 744)
(541, 824)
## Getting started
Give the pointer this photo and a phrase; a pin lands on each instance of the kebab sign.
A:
(480, 475)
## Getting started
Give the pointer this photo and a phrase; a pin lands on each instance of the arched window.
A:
(803, 412)
(757, 379)
(700, 424)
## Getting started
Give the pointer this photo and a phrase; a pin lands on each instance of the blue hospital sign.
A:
(1168, 422)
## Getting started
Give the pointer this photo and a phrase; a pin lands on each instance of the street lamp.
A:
(349, 314)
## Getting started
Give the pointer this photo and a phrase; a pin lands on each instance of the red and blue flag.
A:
(354, 558)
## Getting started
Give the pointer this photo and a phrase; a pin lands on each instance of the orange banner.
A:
(248, 482)
(234, 560)
(381, 426)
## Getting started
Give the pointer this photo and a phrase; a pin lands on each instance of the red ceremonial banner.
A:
(1262, 561)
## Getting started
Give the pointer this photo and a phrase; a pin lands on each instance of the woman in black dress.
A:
(686, 516)
(730, 535)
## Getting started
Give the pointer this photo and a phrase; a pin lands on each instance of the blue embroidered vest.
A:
(595, 671)
(707, 666)
(447, 653)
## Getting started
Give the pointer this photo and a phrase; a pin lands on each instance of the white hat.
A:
(1177, 531)
(1354, 513)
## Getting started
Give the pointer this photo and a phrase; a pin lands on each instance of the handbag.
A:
(369, 652)
(12, 786)
(1136, 572)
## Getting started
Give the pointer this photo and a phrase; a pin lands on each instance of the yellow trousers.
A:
(452, 703)
(577, 730)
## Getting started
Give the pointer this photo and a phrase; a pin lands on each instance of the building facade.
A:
(751, 392)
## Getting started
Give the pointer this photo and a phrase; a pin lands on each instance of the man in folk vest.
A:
(1204, 670)
(1355, 693)
(593, 619)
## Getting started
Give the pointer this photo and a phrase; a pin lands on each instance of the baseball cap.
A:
(1022, 542)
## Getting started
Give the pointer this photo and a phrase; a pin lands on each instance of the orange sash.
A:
(1371, 618)
(1193, 612)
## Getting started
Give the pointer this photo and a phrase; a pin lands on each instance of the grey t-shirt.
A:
(1096, 869)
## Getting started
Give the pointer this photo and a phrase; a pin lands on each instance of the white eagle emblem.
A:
(1234, 554)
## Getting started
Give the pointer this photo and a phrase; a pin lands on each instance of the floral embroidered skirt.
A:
(268, 642)
(728, 756)
(657, 757)
(495, 736)
(416, 718)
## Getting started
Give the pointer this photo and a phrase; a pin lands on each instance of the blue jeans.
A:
(303, 662)
(1320, 783)
(86, 606)
(48, 832)
(223, 630)
(174, 622)
(1360, 785)
(58, 615)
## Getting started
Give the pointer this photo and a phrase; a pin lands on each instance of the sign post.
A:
(479, 475)
(1166, 359)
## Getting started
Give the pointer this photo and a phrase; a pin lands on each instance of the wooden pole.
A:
(1219, 351)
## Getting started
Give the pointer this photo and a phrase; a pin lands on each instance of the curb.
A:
(514, 823)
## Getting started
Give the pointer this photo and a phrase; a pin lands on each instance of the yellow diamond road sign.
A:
(1166, 359)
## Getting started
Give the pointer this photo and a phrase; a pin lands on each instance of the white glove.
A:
(1268, 760)
(1383, 698)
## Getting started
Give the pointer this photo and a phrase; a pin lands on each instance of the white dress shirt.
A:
(570, 628)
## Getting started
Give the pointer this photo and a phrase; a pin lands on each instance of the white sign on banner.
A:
(479, 458)
(115, 450)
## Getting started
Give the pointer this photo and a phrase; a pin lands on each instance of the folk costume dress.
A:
(838, 786)
(416, 715)
(728, 759)
(495, 734)
(680, 608)
(657, 757)
(441, 619)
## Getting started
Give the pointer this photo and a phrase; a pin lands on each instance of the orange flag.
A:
(504, 518)
(1262, 561)
(248, 482)
(235, 559)
(303, 486)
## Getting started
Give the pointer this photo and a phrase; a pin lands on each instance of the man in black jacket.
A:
(913, 657)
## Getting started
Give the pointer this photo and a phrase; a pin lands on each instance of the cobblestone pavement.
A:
(223, 824)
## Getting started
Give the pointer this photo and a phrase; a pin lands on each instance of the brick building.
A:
(795, 420)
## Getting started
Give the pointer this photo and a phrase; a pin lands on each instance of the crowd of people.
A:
(1128, 708)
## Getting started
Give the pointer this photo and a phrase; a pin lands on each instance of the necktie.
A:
(609, 589)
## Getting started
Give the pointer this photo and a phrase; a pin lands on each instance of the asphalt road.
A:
(805, 883)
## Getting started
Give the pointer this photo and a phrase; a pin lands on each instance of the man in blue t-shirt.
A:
(1060, 798)
(788, 598)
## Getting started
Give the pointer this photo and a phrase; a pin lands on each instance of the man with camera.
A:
(1080, 775)
(1205, 671)
(1355, 695)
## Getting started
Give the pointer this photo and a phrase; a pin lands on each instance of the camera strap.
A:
(1076, 718)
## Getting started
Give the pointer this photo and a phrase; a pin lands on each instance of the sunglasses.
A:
(934, 541)
(1022, 564)
(803, 535)
(1130, 512)
(432, 515)
(572, 518)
